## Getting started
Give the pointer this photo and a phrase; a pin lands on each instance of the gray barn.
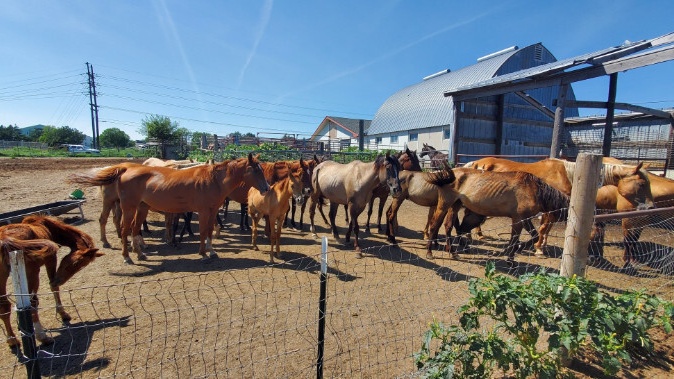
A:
(508, 125)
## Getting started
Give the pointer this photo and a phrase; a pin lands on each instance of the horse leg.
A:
(277, 236)
(139, 218)
(380, 211)
(391, 215)
(209, 217)
(596, 250)
(293, 206)
(6, 309)
(302, 208)
(126, 226)
(50, 264)
(543, 232)
(631, 234)
(439, 214)
(255, 219)
(353, 226)
(312, 213)
(33, 275)
(346, 213)
(332, 214)
(369, 214)
(325, 220)
(514, 245)
(103, 220)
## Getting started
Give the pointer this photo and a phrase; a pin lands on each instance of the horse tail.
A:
(102, 177)
(36, 249)
(441, 177)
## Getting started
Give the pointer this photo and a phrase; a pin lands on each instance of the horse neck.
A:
(661, 188)
(67, 235)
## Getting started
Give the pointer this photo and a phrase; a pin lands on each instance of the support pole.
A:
(322, 307)
(23, 313)
(558, 128)
(610, 110)
(581, 214)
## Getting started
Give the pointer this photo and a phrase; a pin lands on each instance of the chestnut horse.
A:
(273, 206)
(200, 189)
(632, 183)
(82, 252)
(351, 184)
(273, 172)
(408, 161)
(517, 195)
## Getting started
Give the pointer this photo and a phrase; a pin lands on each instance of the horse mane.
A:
(609, 171)
(61, 232)
(548, 196)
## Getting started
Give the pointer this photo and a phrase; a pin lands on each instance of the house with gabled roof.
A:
(338, 132)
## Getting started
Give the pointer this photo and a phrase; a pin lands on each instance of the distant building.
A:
(29, 129)
(339, 132)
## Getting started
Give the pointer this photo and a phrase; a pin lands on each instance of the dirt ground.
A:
(238, 316)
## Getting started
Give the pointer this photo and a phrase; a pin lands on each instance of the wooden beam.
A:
(558, 128)
(610, 110)
(526, 97)
(624, 106)
(618, 65)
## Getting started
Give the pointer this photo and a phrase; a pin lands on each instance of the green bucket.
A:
(77, 194)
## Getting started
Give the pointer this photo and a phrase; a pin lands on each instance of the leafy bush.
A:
(521, 313)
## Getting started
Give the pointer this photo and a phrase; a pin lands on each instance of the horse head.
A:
(72, 263)
(409, 160)
(392, 167)
(636, 187)
(298, 186)
(254, 175)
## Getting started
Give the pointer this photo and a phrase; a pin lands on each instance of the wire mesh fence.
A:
(262, 320)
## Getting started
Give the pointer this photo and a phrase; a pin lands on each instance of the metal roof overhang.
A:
(604, 62)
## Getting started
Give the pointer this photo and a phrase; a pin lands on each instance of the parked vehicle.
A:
(75, 149)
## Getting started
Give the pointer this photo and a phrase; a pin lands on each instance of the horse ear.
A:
(407, 150)
(250, 157)
(638, 167)
(388, 153)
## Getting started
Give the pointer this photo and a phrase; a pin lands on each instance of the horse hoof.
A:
(256, 248)
(213, 254)
(46, 340)
(142, 257)
(13, 342)
(429, 256)
(128, 260)
(359, 255)
(106, 245)
(455, 256)
(314, 235)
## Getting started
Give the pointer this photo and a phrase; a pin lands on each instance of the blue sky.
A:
(282, 66)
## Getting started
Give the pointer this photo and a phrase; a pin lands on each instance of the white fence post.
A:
(24, 312)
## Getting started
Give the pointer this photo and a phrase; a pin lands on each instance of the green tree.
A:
(11, 133)
(114, 137)
(54, 136)
(161, 129)
(34, 135)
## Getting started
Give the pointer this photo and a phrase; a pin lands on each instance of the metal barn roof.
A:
(423, 105)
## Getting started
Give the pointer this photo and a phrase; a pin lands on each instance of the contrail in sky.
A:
(262, 27)
(388, 55)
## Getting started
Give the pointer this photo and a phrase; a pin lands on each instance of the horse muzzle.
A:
(299, 200)
(395, 192)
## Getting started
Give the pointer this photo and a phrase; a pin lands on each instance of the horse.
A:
(518, 195)
(631, 182)
(273, 206)
(437, 158)
(41, 228)
(408, 161)
(200, 189)
(351, 184)
(414, 186)
(273, 172)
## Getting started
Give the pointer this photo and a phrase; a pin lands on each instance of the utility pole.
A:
(93, 104)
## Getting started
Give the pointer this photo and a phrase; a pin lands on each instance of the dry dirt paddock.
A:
(238, 316)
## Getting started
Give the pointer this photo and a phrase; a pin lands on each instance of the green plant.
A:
(521, 315)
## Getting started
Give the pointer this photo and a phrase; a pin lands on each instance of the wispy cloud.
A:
(259, 34)
(390, 54)
(165, 18)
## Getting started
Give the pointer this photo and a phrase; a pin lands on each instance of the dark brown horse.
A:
(200, 189)
(351, 184)
(438, 159)
(408, 161)
(517, 195)
(82, 252)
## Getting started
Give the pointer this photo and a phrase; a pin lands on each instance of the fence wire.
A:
(262, 321)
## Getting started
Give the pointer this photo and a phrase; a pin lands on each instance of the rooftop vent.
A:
(437, 74)
(496, 54)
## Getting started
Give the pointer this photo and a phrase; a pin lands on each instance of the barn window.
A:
(414, 137)
(394, 139)
(447, 133)
(377, 140)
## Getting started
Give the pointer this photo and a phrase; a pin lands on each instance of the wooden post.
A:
(610, 110)
(23, 312)
(581, 214)
(558, 128)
